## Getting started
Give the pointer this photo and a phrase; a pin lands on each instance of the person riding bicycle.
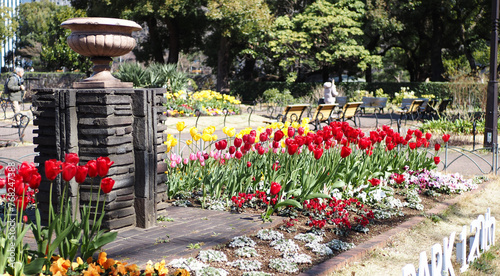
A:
(14, 88)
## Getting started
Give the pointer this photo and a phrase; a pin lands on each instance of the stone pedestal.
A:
(120, 123)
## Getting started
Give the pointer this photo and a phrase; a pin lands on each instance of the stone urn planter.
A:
(101, 39)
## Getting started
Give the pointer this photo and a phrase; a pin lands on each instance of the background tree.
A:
(326, 37)
(42, 40)
(235, 23)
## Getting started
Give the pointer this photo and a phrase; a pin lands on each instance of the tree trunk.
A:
(247, 71)
(157, 49)
(325, 73)
(223, 65)
(368, 73)
(437, 68)
(173, 41)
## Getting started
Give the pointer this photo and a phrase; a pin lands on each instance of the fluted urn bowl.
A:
(101, 39)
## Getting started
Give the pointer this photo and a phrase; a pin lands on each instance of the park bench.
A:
(413, 110)
(322, 114)
(291, 113)
(350, 111)
(15, 128)
(377, 103)
(341, 101)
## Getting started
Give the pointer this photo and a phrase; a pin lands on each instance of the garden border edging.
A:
(360, 251)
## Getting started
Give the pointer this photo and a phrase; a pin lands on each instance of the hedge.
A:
(464, 94)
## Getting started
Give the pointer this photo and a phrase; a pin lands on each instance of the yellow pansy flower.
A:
(180, 126)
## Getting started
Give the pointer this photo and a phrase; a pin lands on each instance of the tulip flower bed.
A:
(338, 186)
(209, 103)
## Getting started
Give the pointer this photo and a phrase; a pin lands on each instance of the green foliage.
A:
(155, 75)
(44, 41)
(464, 124)
(273, 95)
(404, 93)
(250, 91)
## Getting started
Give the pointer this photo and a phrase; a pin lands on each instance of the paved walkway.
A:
(187, 227)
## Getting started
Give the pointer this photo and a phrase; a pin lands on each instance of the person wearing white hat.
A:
(330, 92)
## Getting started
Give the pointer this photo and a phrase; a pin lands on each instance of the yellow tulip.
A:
(206, 137)
(214, 137)
(189, 142)
(193, 131)
(197, 137)
(305, 121)
(180, 126)
(295, 124)
(231, 132)
(174, 142)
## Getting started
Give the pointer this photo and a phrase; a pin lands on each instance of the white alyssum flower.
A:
(340, 245)
(283, 265)
(285, 245)
(269, 234)
(298, 258)
(319, 248)
(208, 256)
(246, 252)
(211, 271)
(189, 264)
(241, 241)
(308, 237)
(246, 264)
(256, 273)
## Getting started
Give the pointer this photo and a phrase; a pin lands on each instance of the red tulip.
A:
(276, 144)
(103, 164)
(20, 188)
(52, 169)
(81, 173)
(390, 146)
(278, 135)
(269, 131)
(107, 185)
(437, 147)
(275, 188)
(345, 151)
(292, 148)
(261, 150)
(232, 149)
(21, 203)
(249, 164)
(2, 183)
(374, 181)
(418, 133)
(412, 145)
(238, 154)
(263, 137)
(68, 171)
(223, 144)
(72, 158)
(428, 136)
(237, 142)
(253, 132)
(35, 180)
(301, 130)
(318, 152)
(291, 131)
(27, 170)
(92, 166)
(276, 166)
(437, 160)
(446, 137)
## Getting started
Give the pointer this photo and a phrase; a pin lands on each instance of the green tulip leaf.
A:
(287, 202)
(317, 195)
(34, 267)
